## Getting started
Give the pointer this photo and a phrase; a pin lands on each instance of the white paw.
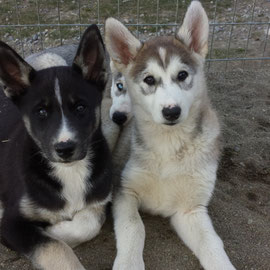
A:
(66, 232)
(221, 263)
(124, 263)
(60, 228)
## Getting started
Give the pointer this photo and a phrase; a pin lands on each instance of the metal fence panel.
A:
(239, 30)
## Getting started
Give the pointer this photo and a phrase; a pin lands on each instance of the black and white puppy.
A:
(55, 167)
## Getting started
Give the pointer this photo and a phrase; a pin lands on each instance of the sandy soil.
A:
(240, 207)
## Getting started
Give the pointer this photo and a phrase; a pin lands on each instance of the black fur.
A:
(26, 154)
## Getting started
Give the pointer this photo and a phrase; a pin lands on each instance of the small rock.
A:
(35, 37)
(250, 221)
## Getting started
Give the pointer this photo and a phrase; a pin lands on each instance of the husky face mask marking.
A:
(54, 117)
(59, 105)
(165, 83)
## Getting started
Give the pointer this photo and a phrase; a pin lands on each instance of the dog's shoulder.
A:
(101, 169)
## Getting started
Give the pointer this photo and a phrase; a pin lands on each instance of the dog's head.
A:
(164, 75)
(60, 106)
(120, 111)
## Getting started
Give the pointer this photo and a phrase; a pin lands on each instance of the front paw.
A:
(123, 263)
(59, 229)
(66, 232)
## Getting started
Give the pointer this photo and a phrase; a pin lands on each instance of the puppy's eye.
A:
(182, 75)
(150, 80)
(120, 86)
(42, 113)
(80, 108)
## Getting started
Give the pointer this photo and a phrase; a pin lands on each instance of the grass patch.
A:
(221, 53)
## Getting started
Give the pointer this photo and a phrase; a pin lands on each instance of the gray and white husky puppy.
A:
(121, 110)
(175, 148)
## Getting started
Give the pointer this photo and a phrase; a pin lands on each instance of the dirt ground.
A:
(240, 208)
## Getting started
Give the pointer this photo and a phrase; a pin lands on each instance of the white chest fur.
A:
(172, 170)
(73, 178)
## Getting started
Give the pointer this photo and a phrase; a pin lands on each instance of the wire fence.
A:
(239, 30)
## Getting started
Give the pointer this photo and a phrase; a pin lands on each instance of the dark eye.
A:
(120, 86)
(182, 75)
(150, 80)
(80, 108)
(42, 113)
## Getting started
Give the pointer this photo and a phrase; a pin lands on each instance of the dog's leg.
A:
(130, 234)
(46, 253)
(85, 225)
(196, 230)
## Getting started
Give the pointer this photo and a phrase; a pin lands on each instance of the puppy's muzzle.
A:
(119, 118)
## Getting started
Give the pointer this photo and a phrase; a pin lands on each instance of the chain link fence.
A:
(239, 30)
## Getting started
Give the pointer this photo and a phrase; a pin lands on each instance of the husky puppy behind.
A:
(46, 60)
(175, 148)
(121, 110)
(55, 177)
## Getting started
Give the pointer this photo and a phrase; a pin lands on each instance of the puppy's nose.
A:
(119, 118)
(171, 113)
(65, 149)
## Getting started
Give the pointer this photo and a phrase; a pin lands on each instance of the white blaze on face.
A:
(65, 134)
(162, 54)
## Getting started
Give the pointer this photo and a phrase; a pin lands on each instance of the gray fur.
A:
(67, 52)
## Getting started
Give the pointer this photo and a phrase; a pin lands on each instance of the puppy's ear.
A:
(195, 28)
(15, 73)
(120, 43)
(90, 57)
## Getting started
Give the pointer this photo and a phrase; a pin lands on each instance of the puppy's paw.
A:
(121, 263)
(221, 263)
(60, 229)
(66, 232)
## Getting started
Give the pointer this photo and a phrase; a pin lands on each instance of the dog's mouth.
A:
(68, 162)
(71, 160)
(170, 123)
